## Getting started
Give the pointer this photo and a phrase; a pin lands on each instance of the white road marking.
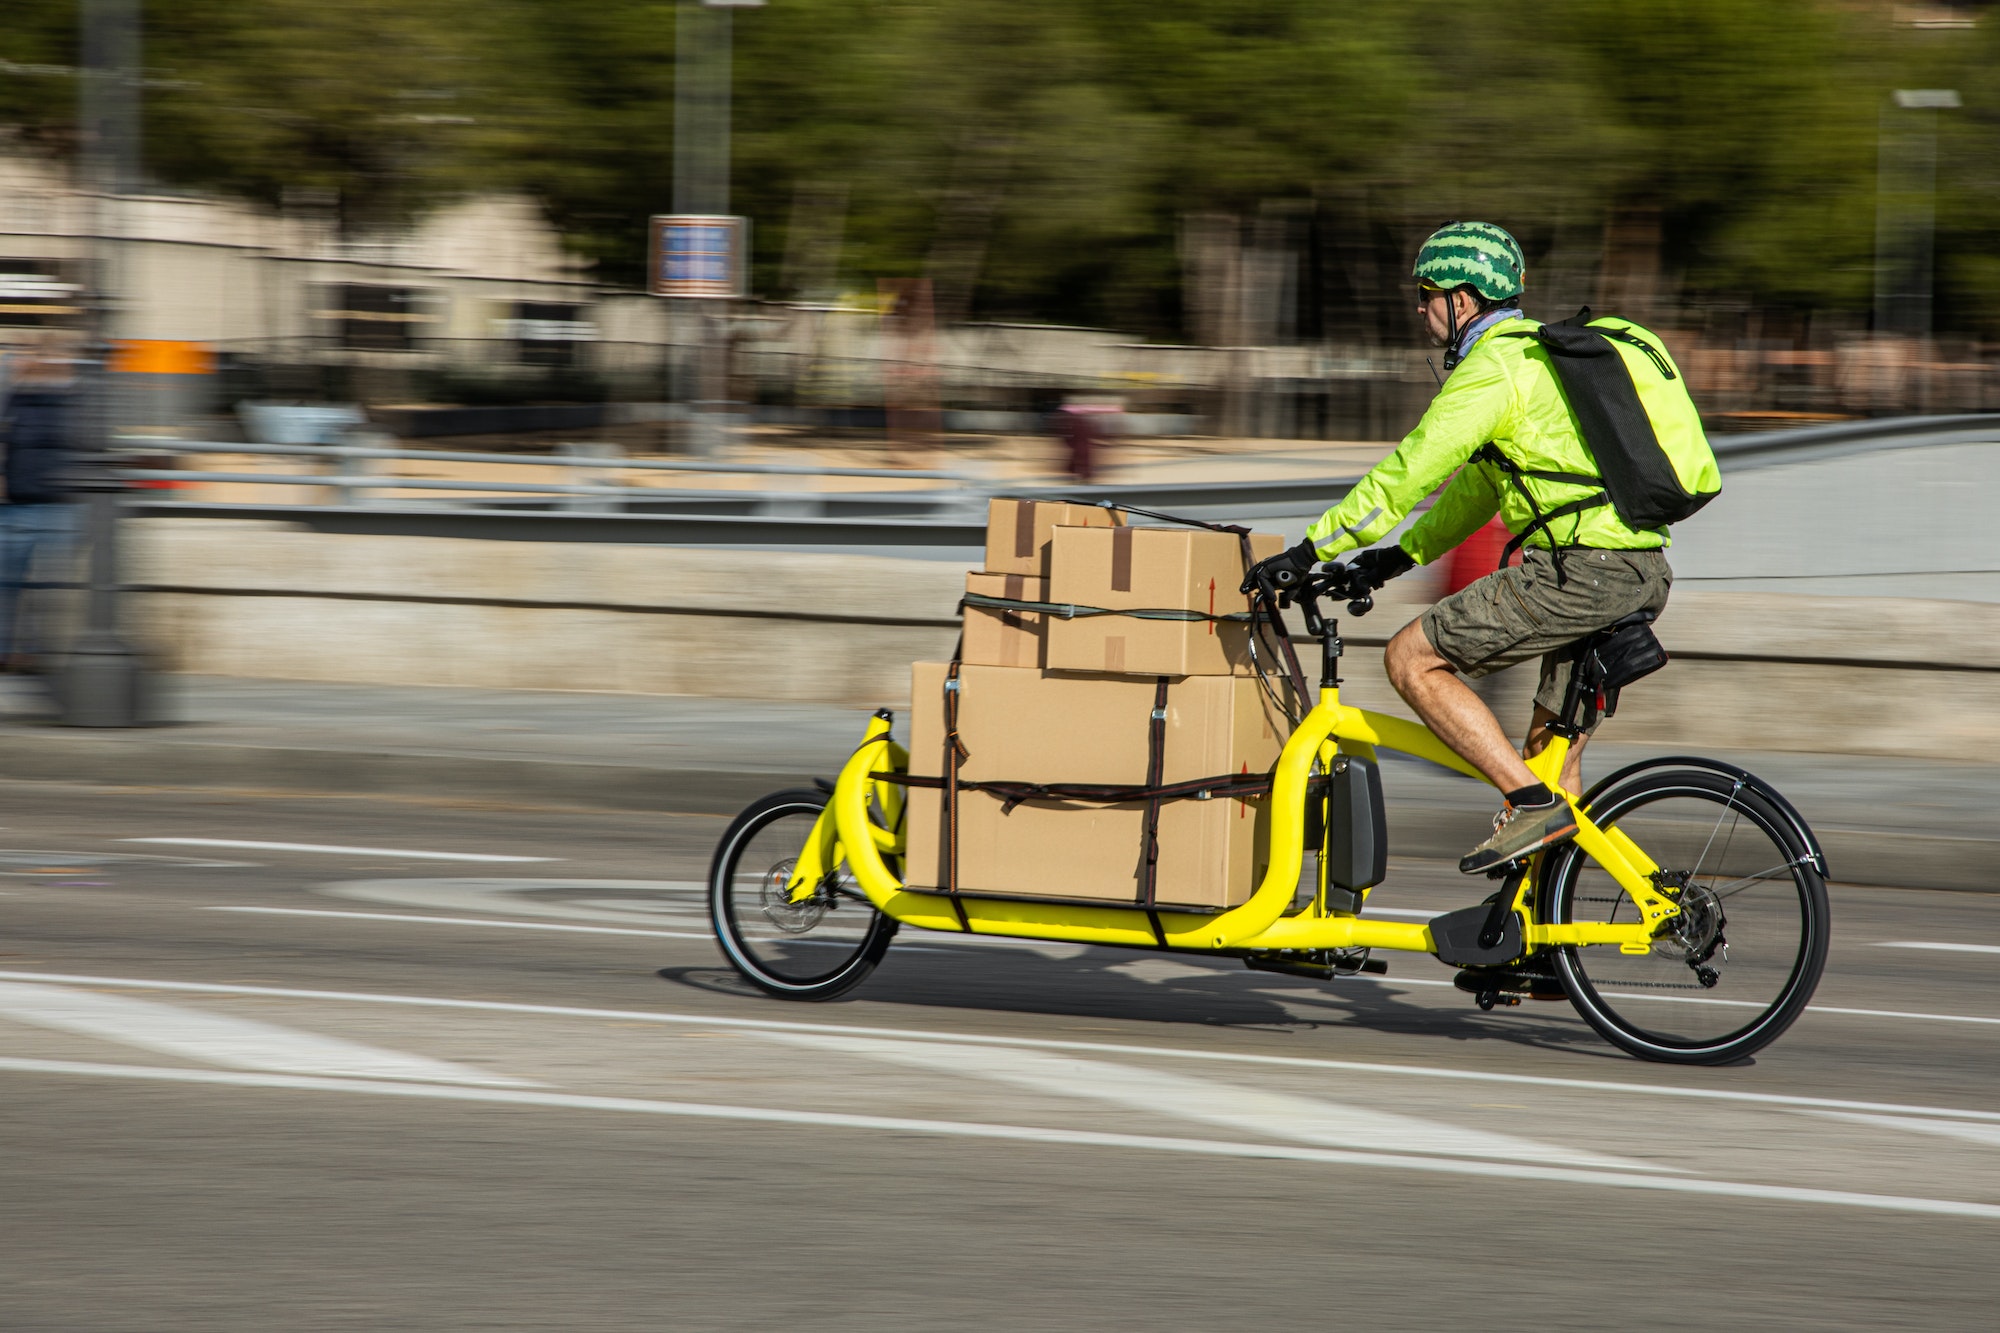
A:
(32, 857)
(1031, 1043)
(333, 850)
(519, 925)
(1160, 971)
(1413, 913)
(1277, 1115)
(470, 921)
(516, 896)
(1975, 1133)
(1028, 1134)
(1945, 948)
(222, 1039)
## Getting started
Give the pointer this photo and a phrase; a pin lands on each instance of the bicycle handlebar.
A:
(1331, 579)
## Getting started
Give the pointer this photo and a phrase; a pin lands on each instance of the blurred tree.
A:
(1037, 159)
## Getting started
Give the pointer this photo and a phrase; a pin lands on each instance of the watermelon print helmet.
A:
(1478, 255)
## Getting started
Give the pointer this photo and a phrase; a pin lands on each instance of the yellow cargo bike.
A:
(1687, 921)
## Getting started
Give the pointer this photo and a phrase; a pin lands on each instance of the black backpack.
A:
(1635, 464)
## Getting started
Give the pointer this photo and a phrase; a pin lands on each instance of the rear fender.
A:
(1793, 819)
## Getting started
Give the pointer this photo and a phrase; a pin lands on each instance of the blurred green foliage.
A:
(1040, 157)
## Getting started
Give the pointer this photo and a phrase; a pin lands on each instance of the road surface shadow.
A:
(1134, 986)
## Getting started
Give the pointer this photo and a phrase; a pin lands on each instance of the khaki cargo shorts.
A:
(1520, 612)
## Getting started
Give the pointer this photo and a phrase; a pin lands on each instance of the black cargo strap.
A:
(955, 755)
(1072, 611)
(1149, 836)
(1490, 453)
(1226, 786)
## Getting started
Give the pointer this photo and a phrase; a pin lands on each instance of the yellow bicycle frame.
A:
(846, 831)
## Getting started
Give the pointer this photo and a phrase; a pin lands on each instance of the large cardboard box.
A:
(994, 637)
(1152, 568)
(1027, 725)
(1018, 532)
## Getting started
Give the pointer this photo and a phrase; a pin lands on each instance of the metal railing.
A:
(351, 472)
(947, 515)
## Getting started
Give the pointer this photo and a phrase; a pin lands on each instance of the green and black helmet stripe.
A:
(1478, 255)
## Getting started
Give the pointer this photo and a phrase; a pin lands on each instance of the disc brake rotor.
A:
(794, 918)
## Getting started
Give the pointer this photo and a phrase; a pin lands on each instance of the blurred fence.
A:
(839, 371)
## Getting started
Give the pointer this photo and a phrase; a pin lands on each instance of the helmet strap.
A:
(1451, 356)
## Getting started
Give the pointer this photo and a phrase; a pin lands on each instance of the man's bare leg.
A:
(1539, 737)
(1455, 715)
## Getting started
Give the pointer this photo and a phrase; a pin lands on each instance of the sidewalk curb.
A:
(161, 759)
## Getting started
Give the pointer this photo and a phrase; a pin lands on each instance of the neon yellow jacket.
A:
(1503, 391)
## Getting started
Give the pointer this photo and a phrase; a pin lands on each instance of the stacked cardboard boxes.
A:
(1171, 569)
(1043, 699)
(1020, 535)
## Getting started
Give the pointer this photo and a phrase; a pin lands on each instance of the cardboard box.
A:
(1028, 725)
(1018, 532)
(1152, 568)
(1005, 638)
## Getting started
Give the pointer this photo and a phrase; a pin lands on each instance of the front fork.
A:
(823, 854)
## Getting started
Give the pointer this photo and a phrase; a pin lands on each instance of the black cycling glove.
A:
(1284, 571)
(1382, 564)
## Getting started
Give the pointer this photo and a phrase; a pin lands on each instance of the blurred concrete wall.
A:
(1874, 522)
(1753, 669)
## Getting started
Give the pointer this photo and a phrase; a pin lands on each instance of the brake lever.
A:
(1361, 605)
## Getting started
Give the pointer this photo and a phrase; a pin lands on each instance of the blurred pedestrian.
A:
(1083, 426)
(36, 517)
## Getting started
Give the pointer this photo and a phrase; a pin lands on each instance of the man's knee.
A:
(1410, 654)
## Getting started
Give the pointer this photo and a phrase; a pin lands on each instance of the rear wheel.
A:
(1729, 974)
(811, 950)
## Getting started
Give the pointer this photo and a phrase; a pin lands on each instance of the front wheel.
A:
(816, 949)
(1728, 975)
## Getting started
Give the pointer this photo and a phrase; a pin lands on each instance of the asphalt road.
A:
(341, 1085)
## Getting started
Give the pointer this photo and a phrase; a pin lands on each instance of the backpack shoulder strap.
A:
(1489, 452)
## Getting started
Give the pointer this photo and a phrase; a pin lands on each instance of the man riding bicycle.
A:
(1583, 569)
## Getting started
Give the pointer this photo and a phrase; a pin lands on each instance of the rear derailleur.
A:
(1694, 935)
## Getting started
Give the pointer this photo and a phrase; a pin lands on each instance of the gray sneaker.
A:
(1519, 830)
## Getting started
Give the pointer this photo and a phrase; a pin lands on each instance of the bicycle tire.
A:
(770, 944)
(1658, 1006)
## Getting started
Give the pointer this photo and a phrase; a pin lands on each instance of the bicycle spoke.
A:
(1761, 877)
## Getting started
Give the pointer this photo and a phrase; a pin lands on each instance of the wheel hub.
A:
(1694, 935)
(794, 918)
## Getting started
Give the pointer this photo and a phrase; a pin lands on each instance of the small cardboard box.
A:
(994, 637)
(1018, 532)
(1022, 724)
(1178, 569)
